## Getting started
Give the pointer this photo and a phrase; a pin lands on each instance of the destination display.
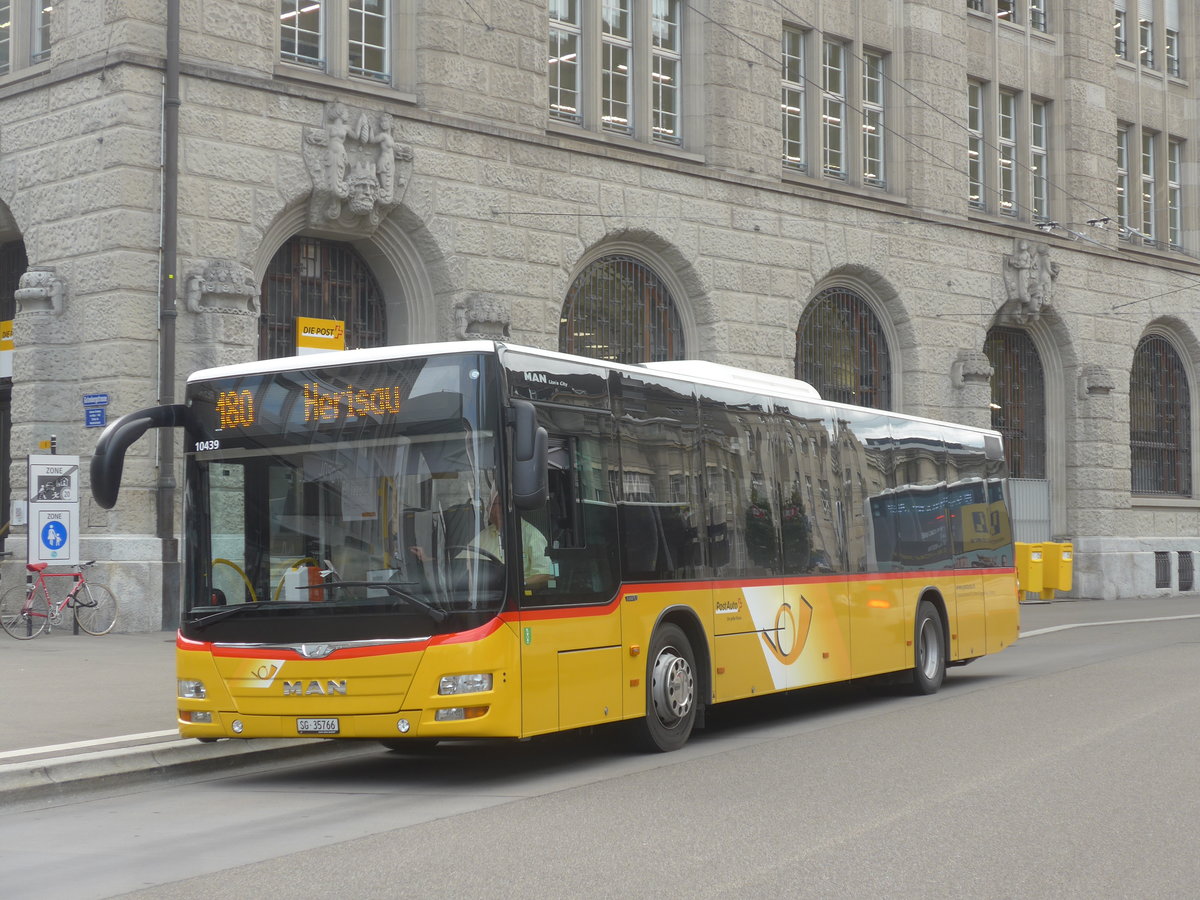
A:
(342, 402)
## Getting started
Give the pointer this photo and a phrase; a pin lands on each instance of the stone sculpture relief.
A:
(40, 290)
(482, 317)
(353, 162)
(1029, 278)
(224, 285)
(970, 367)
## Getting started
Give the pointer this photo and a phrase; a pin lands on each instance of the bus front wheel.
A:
(929, 650)
(670, 691)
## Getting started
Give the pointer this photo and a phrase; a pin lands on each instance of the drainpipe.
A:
(167, 314)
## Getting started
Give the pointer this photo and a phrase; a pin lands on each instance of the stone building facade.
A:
(1002, 195)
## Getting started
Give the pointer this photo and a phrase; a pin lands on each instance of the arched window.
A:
(1018, 400)
(322, 280)
(1160, 421)
(13, 264)
(842, 352)
(619, 309)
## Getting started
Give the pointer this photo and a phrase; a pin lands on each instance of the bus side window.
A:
(579, 517)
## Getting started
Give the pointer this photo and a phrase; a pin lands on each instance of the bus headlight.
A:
(191, 690)
(465, 684)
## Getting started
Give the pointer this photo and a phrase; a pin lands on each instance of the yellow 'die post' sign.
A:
(319, 335)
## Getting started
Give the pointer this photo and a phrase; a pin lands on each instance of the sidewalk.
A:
(77, 709)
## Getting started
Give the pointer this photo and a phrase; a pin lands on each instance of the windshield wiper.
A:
(231, 611)
(438, 615)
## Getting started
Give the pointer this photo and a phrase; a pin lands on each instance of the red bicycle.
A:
(26, 612)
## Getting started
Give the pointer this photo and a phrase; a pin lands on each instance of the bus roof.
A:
(691, 370)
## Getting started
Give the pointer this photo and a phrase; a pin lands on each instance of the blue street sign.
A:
(95, 416)
(95, 399)
(54, 535)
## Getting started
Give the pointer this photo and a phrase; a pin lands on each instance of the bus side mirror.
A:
(530, 479)
(108, 462)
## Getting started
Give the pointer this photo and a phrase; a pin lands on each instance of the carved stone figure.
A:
(40, 290)
(1095, 381)
(1029, 278)
(970, 367)
(482, 317)
(224, 285)
(353, 169)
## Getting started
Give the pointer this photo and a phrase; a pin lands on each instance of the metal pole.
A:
(167, 314)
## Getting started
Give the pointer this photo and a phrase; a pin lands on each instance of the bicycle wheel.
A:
(19, 619)
(95, 608)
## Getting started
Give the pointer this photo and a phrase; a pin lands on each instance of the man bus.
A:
(701, 534)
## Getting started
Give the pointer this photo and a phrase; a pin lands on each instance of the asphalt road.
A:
(1063, 767)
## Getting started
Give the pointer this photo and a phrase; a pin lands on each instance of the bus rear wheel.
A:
(670, 691)
(929, 650)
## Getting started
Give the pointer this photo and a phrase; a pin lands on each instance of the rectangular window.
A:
(873, 87)
(302, 32)
(43, 12)
(5, 35)
(665, 57)
(1174, 194)
(1149, 206)
(1172, 49)
(1038, 160)
(1120, 34)
(1146, 42)
(975, 145)
(833, 110)
(616, 57)
(1006, 155)
(564, 60)
(1006, 11)
(341, 38)
(976, 5)
(795, 151)
(1037, 15)
(1123, 181)
(617, 66)
(369, 55)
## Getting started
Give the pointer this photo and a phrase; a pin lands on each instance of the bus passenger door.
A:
(570, 627)
(969, 532)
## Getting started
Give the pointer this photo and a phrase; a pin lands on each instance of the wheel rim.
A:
(930, 649)
(673, 687)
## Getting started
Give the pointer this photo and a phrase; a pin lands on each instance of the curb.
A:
(48, 779)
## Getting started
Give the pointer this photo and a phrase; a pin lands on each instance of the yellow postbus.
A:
(473, 539)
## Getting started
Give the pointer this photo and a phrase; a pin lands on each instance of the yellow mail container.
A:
(1058, 564)
(1029, 567)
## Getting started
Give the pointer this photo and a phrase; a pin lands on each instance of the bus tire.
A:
(929, 650)
(671, 695)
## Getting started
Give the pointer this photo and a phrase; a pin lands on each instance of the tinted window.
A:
(660, 471)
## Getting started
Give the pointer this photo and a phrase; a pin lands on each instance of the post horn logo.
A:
(786, 640)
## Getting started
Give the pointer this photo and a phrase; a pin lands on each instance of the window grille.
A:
(619, 309)
(841, 350)
(1162, 569)
(1187, 571)
(324, 280)
(1159, 421)
(1018, 400)
(13, 264)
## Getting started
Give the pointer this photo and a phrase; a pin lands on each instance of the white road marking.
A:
(1054, 628)
(96, 743)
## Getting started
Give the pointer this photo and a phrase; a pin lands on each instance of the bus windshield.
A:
(347, 504)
